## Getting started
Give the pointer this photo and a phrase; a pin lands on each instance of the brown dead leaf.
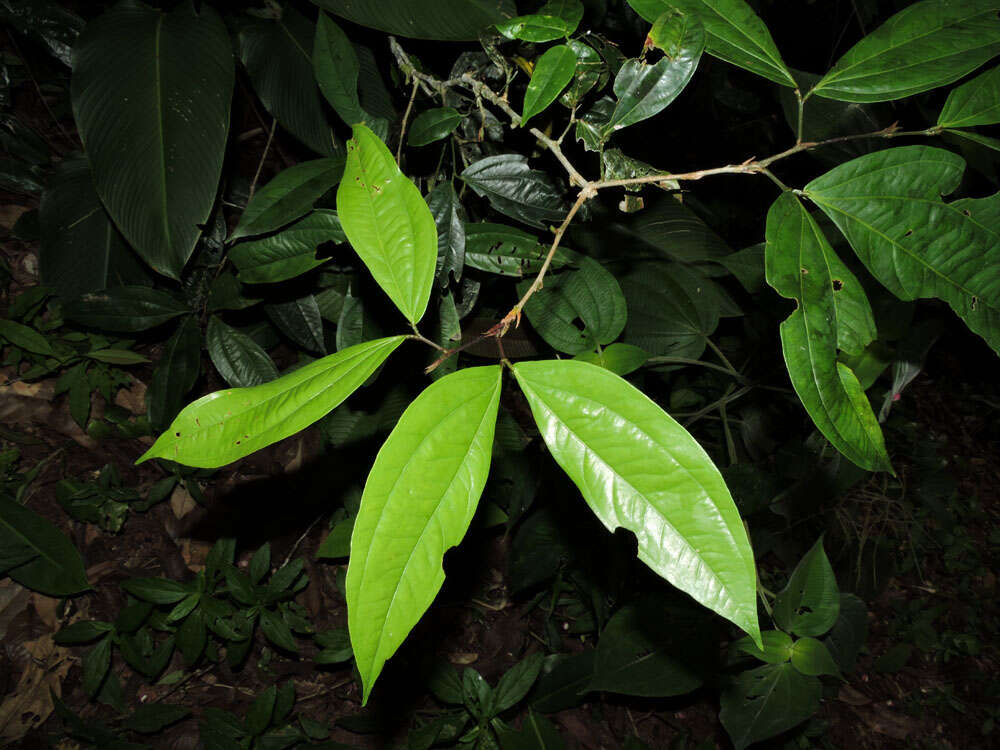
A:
(181, 502)
(45, 607)
(13, 599)
(10, 213)
(31, 702)
(463, 658)
(132, 398)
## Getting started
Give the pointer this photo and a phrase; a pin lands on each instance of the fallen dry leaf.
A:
(31, 702)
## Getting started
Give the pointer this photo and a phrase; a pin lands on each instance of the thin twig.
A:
(263, 156)
(406, 118)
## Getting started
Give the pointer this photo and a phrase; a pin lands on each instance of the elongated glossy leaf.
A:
(450, 20)
(638, 469)
(55, 568)
(644, 90)
(45, 22)
(555, 20)
(888, 206)
(767, 701)
(976, 102)
(25, 337)
(301, 321)
(797, 258)
(239, 359)
(175, 374)
(226, 425)
(449, 218)
(553, 72)
(151, 95)
(418, 502)
(125, 308)
(82, 250)
(588, 293)
(433, 125)
(590, 71)
(929, 44)
(289, 196)
(810, 603)
(388, 224)
(276, 54)
(288, 253)
(734, 34)
(497, 248)
(336, 66)
(515, 189)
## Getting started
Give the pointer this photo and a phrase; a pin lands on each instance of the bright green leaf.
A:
(57, 570)
(553, 72)
(767, 701)
(433, 125)
(226, 425)
(621, 359)
(812, 658)
(777, 647)
(288, 253)
(239, 359)
(810, 603)
(638, 469)
(554, 20)
(418, 502)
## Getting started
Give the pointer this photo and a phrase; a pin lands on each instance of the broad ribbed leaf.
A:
(449, 20)
(433, 125)
(888, 204)
(175, 374)
(449, 217)
(226, 425)
(124, 308)
(810, 604)
(798, 263)
(418, 502)
(239, 359)
(767, 701)
(290, 195)
(301, 321)
(388, 224)
(587, 293)
(976, 102)
(638, 469)
(644, 90)
(82, 250)
(553, 72)
(517, 190)
(497, 248)
(929, 44)
(336, 66)
(734, 34)
(288, 253)
(277, 57)
(55, 568)
(151, 94)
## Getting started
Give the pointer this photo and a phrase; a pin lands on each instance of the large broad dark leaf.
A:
(517, 190)
(451, 20)
(126, 308)
(288, 253)
(175, 374)
(151, 94)
(55, 568)
(300, 320)
(766, 701)
(507, 251)
(336, 66)
(82, 250)
(239, 359)
(277, 55)
(44, 21)
(976, 102)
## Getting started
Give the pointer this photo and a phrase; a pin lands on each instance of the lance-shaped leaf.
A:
(239, 359)
(767, 701)
(388, 224)
(810, 604)
(888, 205)
(124, 308)
(301, 321)
(336, 65)
(497, 248)
(554, 20)
(976, 102)
(151, 94)
(288, 253)
(433, 125)
(734, 34)
(54, 567)
(517, 190)
(929, 44)
(449, 217)
(175, 374)
(797, 259)
(553, 72)
(226, 425)
(645, 90)
(638, 469)
(418, 502)
(450, 20)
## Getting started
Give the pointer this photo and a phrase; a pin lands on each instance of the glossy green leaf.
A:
(888, 205)
(976, 102)
(653, 649)
(57, 568)
(621, 359)
(555, 20)
(799, 266)
(590, 70)
(226, 425)
(125, 308)
(811, 657)
(239, 359)
(81, 249)
(587, 293)
(289, 196)
(449, 20)
(553, 72)
(289, 253)
(810, 603)
(767, 701)
(433, 125)
(777, 647)
(515, 189)
(276, 55)
(388, 224)
(176, 373)
(336, 66)
(977, 138)
(300, 320)
(151, 94)
(25, 337)
(734, 33)
(638, 469)
(45, 22)
(418, 502)
(928, 44)
(449, 218)
(497, 248)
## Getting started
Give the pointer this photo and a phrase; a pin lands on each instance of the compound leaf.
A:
(418, 502)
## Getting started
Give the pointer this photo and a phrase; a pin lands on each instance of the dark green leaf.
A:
(261, 710)
(176, 373)
(96, 663)
(590, 71)
(239, 359)
(553, 72)
(564, 681)
(124, 308)
(766, 701)
(300, 320)
(117, 356)
(156, 590)
(260, 564)
(45, 22)
(451, 20)
(192, 636)
(497, 248)
(810, 603)
(849, 633)
(536, 733)
(515, 189)
(25, 337)
(433, 125)
(449, 217)
(516, 682)
(621, 359)
(81, 632)
(58, 568)
(976, 102)
(555, 20)
(151, 95)
(277, 631)
(777, 647)
(812, 658)
(289, 253)
(336, 66)
(152, 718)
